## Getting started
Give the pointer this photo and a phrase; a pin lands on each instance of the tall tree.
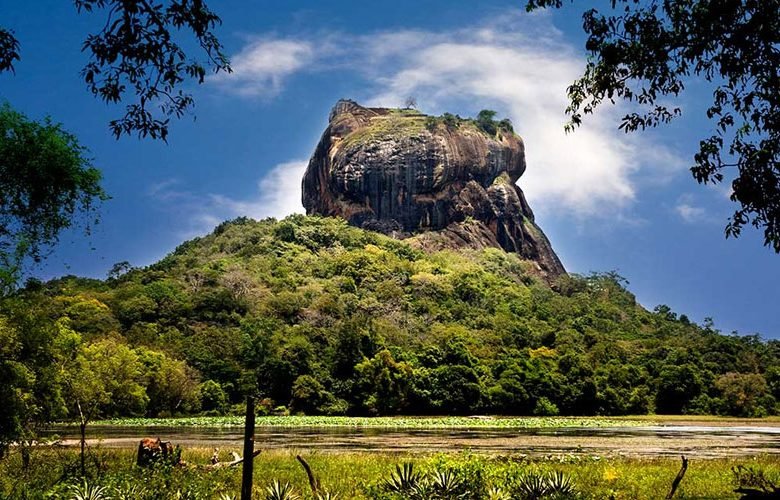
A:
(47, 184)
(32, 349)
(46, 180)
(103, 379)
(646, 52)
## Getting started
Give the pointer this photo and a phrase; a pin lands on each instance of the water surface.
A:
(700, 441)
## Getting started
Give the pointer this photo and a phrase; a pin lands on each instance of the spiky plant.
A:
(280, 491)
(131, 492)
(559, 484)
(404, 479)
(325, 495)
(186, 495)
(227, 496)
(446, 484)
(532, 486)
(495, 493)
(86, 491)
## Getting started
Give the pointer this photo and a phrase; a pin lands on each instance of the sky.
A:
(606, 200)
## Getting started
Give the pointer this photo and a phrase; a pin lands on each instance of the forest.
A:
(319, 318)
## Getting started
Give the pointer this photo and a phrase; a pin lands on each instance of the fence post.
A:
(249, 449)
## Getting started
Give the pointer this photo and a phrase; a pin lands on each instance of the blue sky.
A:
(607, 201)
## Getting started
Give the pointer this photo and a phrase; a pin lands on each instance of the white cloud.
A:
(525, 76)
(688, 211)
(261, 67)
(519, 65)
(278, 195)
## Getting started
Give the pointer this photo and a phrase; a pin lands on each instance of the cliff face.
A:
(444, 185)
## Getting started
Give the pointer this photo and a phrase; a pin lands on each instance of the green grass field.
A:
(53, 474)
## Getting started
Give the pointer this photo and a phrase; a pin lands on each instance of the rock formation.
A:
(444, 183)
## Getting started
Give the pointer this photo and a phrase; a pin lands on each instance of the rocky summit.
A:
(443, 182)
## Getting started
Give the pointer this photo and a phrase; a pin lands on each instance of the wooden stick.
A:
(231, 463)
(679, 478)
(312, 480)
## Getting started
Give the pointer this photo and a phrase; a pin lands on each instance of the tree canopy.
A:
(46, 183)
(647, 52)
(331, 319)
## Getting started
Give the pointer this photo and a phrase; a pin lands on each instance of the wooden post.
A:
(249, 449)
(679, 478)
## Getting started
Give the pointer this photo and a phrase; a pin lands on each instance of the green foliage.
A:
(105, 379)
(212, 397)
(46, 184)
(321, 318)
(487, 122)
(404, 480)
(647, 52)
(362, 476)
(31, 352)
(139, 50)
(280, 491)
(373, 422)
(87, 491)
(535, 486)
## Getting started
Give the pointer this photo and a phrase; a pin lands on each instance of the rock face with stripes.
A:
(441, 183)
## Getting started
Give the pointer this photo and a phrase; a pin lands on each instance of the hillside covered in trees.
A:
(318, 317)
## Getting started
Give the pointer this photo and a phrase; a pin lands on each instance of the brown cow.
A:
(151, 451)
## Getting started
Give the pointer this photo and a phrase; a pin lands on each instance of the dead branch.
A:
(679, 478)
(236, 460)
(312, 480)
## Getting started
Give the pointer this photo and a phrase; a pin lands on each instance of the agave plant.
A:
(446, 484)
(185, 495)
(324, 495)
(86, 491)
(131, 492)
(279, 491)
(227, 496)
(534, 486)
(560, 484)
(495, 493)
(404, 480)
(423, 490)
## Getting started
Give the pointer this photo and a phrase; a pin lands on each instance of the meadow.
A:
(113, 474)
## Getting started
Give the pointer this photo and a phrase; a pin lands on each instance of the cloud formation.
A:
(519, 65)
(278, 195)
(260, 68)
(689, 211)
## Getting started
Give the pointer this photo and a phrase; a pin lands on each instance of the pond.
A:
(699, 441)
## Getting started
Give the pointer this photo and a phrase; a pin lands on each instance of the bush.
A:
(486, 122)
(545, 408)
(212, 397)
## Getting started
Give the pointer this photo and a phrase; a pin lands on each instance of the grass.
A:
(394, 126)
(359, 476)
(375, 422)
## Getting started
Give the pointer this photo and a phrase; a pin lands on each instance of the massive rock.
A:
(444, 184)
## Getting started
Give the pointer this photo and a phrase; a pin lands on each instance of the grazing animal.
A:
(151, 451)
